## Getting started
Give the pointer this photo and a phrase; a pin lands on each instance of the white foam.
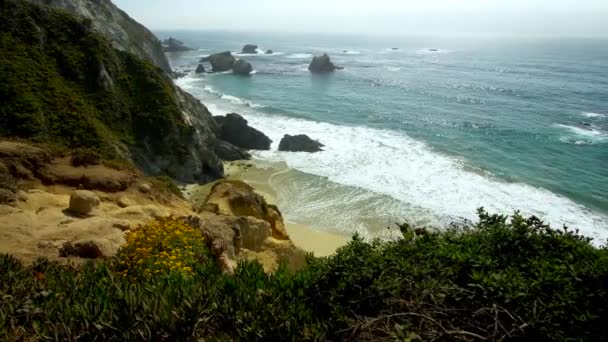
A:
(389, 68)
(587, 131)
(232, 99)
(351, 52)
(593, 115)
(407, 170)
(300, 55)
(393, 164)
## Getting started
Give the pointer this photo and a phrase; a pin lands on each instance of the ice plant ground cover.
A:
(506, 278)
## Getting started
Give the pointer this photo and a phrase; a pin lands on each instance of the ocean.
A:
(423, 129)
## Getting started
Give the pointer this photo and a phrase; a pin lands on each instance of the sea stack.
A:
(242, 67)
(174, 45)
(222, 61)
(250, 49)
(299, 143)
(322, 65)
(235, 130)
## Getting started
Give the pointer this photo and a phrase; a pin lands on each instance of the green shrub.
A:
(506, 278)
(165, 184)
(52, 88)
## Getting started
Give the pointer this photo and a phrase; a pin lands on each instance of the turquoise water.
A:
(506, 124)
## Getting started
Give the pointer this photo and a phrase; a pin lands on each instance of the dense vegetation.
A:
(503, 279)
(63, 83)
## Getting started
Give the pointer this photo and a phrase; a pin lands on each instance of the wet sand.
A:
(259, 175)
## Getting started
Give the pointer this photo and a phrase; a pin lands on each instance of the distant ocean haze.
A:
(430, 128)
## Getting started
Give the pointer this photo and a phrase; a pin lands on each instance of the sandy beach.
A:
(259, 175)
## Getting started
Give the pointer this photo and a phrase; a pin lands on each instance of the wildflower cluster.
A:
(165, 245)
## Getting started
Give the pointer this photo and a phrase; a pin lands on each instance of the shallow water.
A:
(427, 135)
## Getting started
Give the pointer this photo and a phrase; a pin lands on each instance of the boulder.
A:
(86, 249)
(241, 67)
(200, 69)
(144, 188)
(228, 152)
(237, 198)
(82, 202)
(233, 128)
(269, 52)
(299, 143)
(220, 62)
(93, 177)
(174, 45)
(250, 49)
(322, 64)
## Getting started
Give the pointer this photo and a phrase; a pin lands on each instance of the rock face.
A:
(322, 64)
(200, 69)
(174, 45)
(237, 198)
(250, 49)
(82, 202)
(125, 33)
(246, 226)
(241, 67)
(220, 62)
(228, 152)
(299, 143)
(175, 135)
(234, 129)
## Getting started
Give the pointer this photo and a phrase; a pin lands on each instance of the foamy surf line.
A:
(593, 115)
(407, 170)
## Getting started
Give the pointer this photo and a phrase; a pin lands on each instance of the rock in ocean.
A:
(242, 67)
(322, 64)
(299, 143)
(220, 62)
(250, 49)
(235, 130)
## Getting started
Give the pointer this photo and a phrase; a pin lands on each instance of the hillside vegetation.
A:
(510, 279)
(62, 83)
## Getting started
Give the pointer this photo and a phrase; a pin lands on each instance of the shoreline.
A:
(252, 172)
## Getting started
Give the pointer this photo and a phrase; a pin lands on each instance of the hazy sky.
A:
(401, 17)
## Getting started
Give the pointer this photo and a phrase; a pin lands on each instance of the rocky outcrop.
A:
(165, 132)
(269, 52)
(322, 64)
(250, 49)
(200, 69)
(174, 45)
(228, 152)
(125, 33)
(220, 62)
(196, 161)
(299, 143)
(234, 129)
(237, 198)
(241, 67)
(241, 224)
(82, 202)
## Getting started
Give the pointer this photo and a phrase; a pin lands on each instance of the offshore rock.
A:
(234, 129)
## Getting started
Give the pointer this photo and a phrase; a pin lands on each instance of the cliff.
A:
(65, 84)
(125, 33)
